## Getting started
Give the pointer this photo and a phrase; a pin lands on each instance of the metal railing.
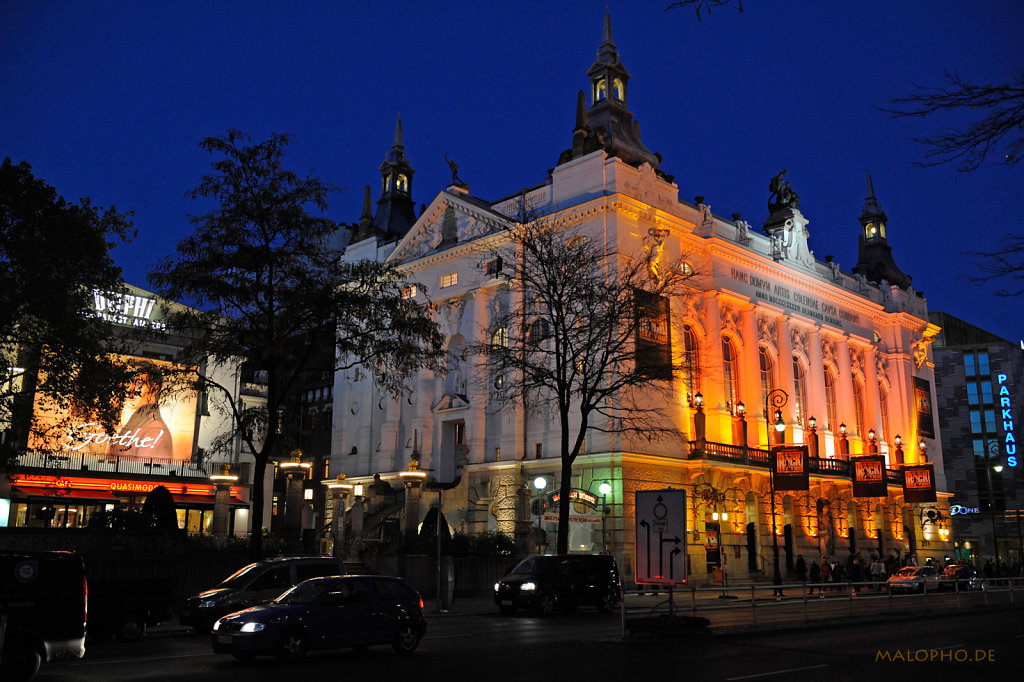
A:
(69, 461)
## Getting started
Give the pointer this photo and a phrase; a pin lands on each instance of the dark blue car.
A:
(326, 613)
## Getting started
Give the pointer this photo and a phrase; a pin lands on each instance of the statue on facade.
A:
(781, 195)
(454, 168)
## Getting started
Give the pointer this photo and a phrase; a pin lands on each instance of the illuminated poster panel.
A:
(869, 476)
(791, 465)
(653, 335)
(919, 483)
(923, 404)
(153, 424)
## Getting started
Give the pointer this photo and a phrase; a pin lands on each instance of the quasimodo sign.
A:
(133, 308)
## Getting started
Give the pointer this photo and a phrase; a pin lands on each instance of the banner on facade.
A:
(919, 483)
(653, 335)
(923, 404)
(790, 464)
(869, 476)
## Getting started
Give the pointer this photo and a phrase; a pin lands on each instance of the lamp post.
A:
(898, 440)
(992, 452)
(539, 484)
(844, 445)
(339, 490)
(776, 398)
(812, 426)
(922, 448)
(605, 489)
(872, 442)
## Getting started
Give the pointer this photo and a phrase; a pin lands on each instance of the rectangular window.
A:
(460, 434)
(497, 454)
(409, 291)
(538, 450)
(449, 279)
(969, 367)
(493, 267)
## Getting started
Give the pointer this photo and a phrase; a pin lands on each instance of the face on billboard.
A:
(153, 424)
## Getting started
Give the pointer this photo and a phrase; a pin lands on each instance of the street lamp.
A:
(812, 426)
(872, 442)
(540, 484)
(992, 452)
(898, 440)
(844, 445)
(776, 398)
(922, 448)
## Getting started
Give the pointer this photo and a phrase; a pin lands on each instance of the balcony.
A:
(69, 461)
(756, 457)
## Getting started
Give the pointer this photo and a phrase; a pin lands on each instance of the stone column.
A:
(711, 388)
(222, 509)
(872, 405)
(750, 373)
(358, 511)
(844, 391)
(293, 510)
(784, 344)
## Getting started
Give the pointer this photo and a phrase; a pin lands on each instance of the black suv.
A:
(254, 584)
(543, 583)
(43, 601)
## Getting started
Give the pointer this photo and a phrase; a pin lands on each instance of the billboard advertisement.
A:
(154, 424)
(869, 476)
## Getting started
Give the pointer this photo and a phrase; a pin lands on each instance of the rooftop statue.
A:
(782, 195)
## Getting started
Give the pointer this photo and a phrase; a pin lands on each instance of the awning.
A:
(36, 495)
(207, 500)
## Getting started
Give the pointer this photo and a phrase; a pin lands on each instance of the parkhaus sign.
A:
(1006, 409)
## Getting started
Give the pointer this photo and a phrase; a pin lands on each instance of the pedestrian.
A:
(815, 572)
(801, 568)
(826, 574)
(877, 572)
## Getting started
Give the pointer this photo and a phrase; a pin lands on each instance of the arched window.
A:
(600, 90)
(731, 371)
(691, 361)
(830, 400)
(539, 331)
(500, 338)
(767, 372)
(387, 182)
(800, 389)
(402, 184)
(858, 408)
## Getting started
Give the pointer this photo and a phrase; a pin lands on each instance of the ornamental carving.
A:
(693, 307)
(856, 362)
(828, 350)
(731, 317)
(765, 329)
(798, 340)
(881, 367)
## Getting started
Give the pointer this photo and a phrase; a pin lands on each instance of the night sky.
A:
(110, 99)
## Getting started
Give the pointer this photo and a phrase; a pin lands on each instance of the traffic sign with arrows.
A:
(660, 537)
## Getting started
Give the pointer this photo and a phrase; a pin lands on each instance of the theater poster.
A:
(653, 335)
(154, 425)
(923, 404)
(919, 483)
(869, 476)
(790, 464)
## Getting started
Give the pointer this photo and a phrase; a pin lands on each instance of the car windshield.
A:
(909, 570)
(532, 565)
(304, 593)
(240, 577)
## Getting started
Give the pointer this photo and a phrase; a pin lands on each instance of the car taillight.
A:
(421, 603)
(85, 598)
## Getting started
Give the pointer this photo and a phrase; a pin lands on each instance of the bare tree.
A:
(583, 332)
(1007, 262)
(999, 120)
(703, 5)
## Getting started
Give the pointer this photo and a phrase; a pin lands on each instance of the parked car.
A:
(43, 596)
(543, 583)
(960, 577)
(125, 607)
(326, 613)
(914, 579)
(254, 584)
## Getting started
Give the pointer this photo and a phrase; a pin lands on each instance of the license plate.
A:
(223, 639)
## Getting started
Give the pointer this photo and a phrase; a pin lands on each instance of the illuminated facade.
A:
(979, 380)
(760, 316)
(163, 439)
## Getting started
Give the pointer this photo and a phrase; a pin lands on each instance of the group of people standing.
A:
(857, 569)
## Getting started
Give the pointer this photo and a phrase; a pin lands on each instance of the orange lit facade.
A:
(843, 353)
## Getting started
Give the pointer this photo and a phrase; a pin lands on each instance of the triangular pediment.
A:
(450, 402)
(451, 218)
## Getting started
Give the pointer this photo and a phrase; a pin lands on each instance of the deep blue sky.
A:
(109, 100)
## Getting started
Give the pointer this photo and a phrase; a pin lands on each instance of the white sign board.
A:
(660, 537)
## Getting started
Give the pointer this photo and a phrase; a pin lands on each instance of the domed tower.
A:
(874, 255)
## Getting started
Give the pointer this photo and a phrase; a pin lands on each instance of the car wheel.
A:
(546, 604)
(131, 627)
(606, 603)
(292, 646)
(406, 639)
(20, 661)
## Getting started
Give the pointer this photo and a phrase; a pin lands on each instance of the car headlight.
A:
(528, 587)
(252, 627)
(207, 603)
(497, 586)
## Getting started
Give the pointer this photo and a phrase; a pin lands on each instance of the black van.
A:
(43, 610)
(543, 583)
(254, 584)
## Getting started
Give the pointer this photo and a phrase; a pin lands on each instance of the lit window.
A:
(409, 291)
(449, 280)
(686, 269)
(731, 367)
(691, 361)
(576, 242)
(830, 399)
(800, 390)
(402, 184)
(500, 338)
(619, 89)
(600, 90)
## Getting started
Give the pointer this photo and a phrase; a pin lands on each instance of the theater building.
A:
(844, 354)
(164, 439)
(979, 379)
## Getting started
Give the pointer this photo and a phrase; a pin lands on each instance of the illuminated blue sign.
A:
(1006, 407)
